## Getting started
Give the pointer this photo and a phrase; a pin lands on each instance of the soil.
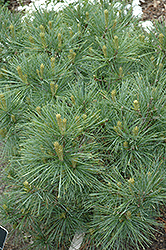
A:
(14, 4)
(152, 9)
(159, 243)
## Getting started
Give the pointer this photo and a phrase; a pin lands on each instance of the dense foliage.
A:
(83, 125)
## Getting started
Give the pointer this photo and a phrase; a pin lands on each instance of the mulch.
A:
(152, 10)
(14, 4)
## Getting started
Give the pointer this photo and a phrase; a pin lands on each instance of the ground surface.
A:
(152, 9)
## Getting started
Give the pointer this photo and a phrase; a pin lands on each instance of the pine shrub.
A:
(83, 118)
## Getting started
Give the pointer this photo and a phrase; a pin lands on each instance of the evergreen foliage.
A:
(83, 125)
